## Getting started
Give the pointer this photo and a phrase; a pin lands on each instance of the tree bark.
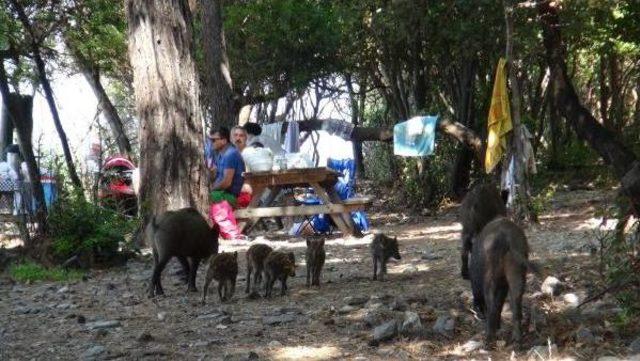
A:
(219, 87)
(6, 132)
(602, 140)
(466, 113)
(166, 87)
(42, 75)
(356, 102)
(521, 206)
(92, 75)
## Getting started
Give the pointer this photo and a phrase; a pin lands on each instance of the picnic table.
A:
(321, 179)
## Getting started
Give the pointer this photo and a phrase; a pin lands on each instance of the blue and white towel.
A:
(415, 137)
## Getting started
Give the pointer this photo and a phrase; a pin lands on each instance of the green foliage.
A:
(80, 227)
(32, 272)
(280, 44)
(97, 30)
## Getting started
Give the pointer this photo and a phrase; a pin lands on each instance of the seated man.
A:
(239, 140)
(227, 184)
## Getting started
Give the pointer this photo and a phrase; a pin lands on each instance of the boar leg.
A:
(156, 286)
(495, 294)
(375, 268)
(185, 269)
(516, 289)
(193, 270)
(249, 270)
(464, 255)
(205, 288)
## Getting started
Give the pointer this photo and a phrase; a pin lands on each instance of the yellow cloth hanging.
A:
(499, 123)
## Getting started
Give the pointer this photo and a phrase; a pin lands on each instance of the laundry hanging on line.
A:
(499, 123)
(415, 137)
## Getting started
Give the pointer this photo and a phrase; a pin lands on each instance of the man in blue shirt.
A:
(227, 184)
(229, 163)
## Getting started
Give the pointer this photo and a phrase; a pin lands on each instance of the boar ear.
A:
(322, 242)
(235, 254)
(395, 238)
(308, 242)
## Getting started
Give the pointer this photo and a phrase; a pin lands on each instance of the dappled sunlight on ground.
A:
(596, 223)
(305, 353)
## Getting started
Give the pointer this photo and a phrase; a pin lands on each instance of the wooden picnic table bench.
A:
(321, 179)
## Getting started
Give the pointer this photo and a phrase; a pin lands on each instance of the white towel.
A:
(415, 127)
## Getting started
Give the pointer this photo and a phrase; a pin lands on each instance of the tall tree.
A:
(614, 153)
(521, 205)
(46, 86)
(167, 93)
(94, 32)
(220, 99)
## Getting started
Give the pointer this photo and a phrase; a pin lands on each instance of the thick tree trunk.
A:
(21, 107)
(172, 171)
(92, 75)
(521, 206)
(219, 87)
(48, 92)
(604, 90)
(6, 132)
(613, 152)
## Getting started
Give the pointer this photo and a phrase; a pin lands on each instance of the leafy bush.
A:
(79, 227)
(32, 272)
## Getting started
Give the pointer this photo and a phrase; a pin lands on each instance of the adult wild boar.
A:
(482, 204)
(185, 234)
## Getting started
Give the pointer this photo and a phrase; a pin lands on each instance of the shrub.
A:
(79, 227)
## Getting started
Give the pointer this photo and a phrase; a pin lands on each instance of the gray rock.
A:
(398, 305)
(542, 352)
(411, 323)
(571, 299)
(584, 335)
(346, 309)
(274, 320)
(63, 289)
(162, 316)
(93, 352)
(430, 257)
(274, 344)
(64, 306)
(159, 350)
(551, 286)
(444, 325)
(410, 269)
(634, 346)
(356, 300)
(471, 345)
(385, 331)
(99, 325)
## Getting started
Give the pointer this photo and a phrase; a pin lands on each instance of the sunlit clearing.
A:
(306, 353)
(596, 223)
(455, 227)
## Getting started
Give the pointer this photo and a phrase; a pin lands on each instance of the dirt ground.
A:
(108, 315)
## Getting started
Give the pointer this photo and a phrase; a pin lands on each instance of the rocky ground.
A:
(421, 311)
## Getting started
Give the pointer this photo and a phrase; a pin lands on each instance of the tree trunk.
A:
(6, 132)
(616, 110)
(466, 114)
(604, 90)
(92, 75)
(172, 171)
(521, 206)
(603, 141)
(355, 103)
(219, 87)
(42, 75)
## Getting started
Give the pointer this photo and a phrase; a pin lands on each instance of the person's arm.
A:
(225, 182)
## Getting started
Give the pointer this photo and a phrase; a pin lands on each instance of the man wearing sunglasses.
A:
(227, 184)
